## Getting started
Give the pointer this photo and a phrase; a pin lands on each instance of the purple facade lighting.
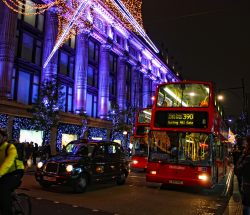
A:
(49, 41)
(103, 93)
(121, 83)
(81, 66)
(7, 49)
(121, 7)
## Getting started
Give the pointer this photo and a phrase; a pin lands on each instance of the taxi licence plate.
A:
(49, 178)
(175, 182)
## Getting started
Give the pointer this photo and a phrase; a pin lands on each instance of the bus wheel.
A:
(217, 175)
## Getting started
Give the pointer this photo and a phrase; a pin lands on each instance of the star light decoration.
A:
(76, 16)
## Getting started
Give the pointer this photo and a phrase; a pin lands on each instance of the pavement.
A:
(234, 206)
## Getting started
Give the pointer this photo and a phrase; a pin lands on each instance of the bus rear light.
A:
(153, 172)
(203, 177)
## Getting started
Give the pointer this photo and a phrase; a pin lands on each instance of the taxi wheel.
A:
(80, 184)
(121, 179)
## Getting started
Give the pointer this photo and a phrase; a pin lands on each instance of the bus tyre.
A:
(80, 185)
(217, 175)
(45, 184)
(121, 179)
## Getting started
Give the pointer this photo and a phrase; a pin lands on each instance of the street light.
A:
(220, 97)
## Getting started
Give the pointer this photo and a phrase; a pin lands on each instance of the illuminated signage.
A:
(177, 119)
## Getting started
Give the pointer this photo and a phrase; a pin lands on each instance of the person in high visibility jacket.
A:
(11, 173)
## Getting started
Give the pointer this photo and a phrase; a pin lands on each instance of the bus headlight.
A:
(203, 177)
(153, 172)
(135, 161)
(69, 168)
(40, 165)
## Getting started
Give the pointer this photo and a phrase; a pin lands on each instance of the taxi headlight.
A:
(40, 165)
(69, 168)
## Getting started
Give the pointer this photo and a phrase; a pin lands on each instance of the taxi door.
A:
(100, 170)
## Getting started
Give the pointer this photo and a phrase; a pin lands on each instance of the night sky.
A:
(209, 39)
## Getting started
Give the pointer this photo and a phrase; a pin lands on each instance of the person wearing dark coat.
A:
(244, 172)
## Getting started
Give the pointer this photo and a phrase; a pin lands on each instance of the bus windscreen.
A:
(183, 95)
(144, 116)
(180, 147)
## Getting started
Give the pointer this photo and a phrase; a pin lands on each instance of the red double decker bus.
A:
(187, 144)
(140, 140)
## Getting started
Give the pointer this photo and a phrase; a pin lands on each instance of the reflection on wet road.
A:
(135, 197)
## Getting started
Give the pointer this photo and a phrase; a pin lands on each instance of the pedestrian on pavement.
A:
(35, 153)
(236, 155)
(238, 160)
(244, 172)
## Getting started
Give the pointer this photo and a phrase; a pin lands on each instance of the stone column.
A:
(8, 20)
(121, 83)
(103, 91)
(145, 92)
(50, 35)
(135, 87)
(81, 68)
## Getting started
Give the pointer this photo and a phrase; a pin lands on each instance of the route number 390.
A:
(189, 116)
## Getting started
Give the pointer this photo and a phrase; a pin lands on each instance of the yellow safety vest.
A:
(9, 163)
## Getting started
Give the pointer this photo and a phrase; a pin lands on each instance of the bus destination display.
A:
(181, 119)
(177, 119)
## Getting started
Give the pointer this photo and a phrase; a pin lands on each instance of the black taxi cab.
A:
(84, 162)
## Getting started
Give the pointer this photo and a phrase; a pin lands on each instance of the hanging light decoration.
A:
(72, 16)
(28, 7)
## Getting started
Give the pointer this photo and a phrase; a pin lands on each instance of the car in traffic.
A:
(84, 162)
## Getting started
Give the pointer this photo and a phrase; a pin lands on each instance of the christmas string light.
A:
(18, 7)
(72, 20)
(76, 15)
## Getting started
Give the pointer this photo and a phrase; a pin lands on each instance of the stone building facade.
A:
(109, 63)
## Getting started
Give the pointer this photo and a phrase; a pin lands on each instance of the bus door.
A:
(218, 159)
